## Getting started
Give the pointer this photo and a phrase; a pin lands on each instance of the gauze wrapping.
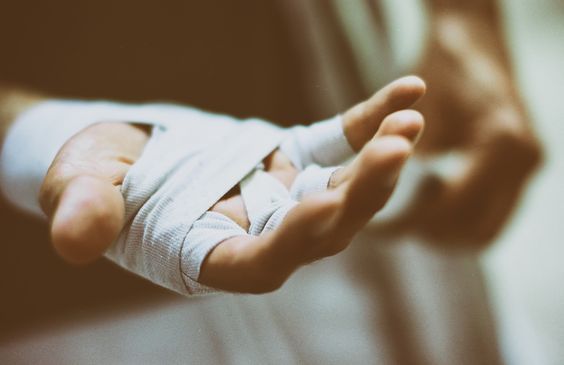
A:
(323, 143)
(267, 202)
(190, 161)
(173, 184)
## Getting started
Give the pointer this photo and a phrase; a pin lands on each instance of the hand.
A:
(82, 199)
(472, 108)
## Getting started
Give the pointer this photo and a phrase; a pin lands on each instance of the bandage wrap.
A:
(267, 201)
(191, 160)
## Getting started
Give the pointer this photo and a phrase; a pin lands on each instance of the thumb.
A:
(87, 219)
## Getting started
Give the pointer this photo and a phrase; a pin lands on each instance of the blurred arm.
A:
(488, 8)
(473, 108)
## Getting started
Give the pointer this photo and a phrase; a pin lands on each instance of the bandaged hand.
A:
(138, 182)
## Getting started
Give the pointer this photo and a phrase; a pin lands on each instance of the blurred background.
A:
(143, 51)
(524, 268)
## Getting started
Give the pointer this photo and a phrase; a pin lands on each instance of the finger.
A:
(261, 264)
(406, 123)
(491, 184)
(363, 120)
(241, 264)
(80, 193)
(87, 219)
(375, 173)
(323, 224)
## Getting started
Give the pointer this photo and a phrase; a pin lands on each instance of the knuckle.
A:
(514, 140)
(521, 148)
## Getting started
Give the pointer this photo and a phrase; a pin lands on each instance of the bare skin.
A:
(81, 194)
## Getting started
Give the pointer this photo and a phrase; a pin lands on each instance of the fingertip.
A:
(394, 148)
(406, 123)
(410, 87)
(399, 94)
(413, 81)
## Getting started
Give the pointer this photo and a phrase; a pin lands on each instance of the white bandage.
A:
(38, 134)
(191, 160)
(313, 179)
(205, 234)
(322, 143)
(267, 200)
